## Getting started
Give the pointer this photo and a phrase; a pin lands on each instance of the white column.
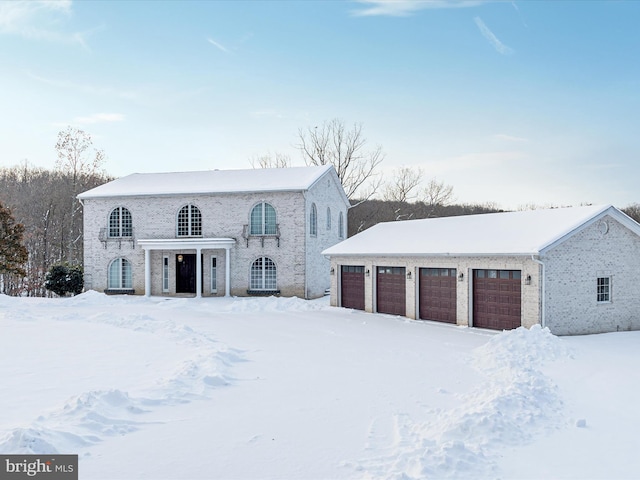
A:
(227, 273)
(198, 272)
(147, 272)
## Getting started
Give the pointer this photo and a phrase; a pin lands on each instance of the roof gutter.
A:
(543, 319)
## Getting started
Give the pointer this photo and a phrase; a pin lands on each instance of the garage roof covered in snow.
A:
(510, 233)
(211, 181)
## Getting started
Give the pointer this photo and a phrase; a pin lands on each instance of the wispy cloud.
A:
(218, 45)
(268, 113)
(85, 88)
(493, 40)
(403, 8)
(99, 118)
(509, 138)
(33, 19)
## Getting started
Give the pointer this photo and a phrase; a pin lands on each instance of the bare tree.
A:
(80, 163)
(633, 211)
(344, 148)
(278, 160)
(437, 194)
(402, 184)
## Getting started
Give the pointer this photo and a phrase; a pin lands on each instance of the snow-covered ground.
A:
(281, 388)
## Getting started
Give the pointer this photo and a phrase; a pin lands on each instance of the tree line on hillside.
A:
(41, 238)
(44, 202)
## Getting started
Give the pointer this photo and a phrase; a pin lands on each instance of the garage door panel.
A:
(497, 299)
(352, 286)
(391, 290)
(437, 294)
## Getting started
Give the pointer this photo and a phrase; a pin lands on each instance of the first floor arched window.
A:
(263, 274)
(120, 274)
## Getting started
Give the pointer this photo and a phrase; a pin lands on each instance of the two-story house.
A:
(214, 233)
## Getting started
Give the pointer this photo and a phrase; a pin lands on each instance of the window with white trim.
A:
(263, 274)
(603, 294)
(120, 224)
(313, 220)
(328, 218)
(120, 274)
(340, 225)
(189, 221)
(165, 273)
(214, 275)
(263, 219)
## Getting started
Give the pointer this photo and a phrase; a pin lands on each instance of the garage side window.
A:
(603, 294)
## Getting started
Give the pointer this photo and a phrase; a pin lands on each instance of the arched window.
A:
(120, 224)
(313, 220)
(340, 225)
(120, 274)
(263, 274)
(263, 220)
(328, 218)
(189, 221)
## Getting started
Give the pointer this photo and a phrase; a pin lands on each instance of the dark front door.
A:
(186, 273)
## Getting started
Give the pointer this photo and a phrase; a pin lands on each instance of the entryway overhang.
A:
(197, 244)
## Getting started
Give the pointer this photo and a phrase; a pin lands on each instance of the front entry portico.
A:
(197, 244)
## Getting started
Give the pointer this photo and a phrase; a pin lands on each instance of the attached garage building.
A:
(574, 270)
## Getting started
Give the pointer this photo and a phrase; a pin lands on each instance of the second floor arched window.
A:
(263, 220)
(120, 224)
(313, 220)
(189, 221)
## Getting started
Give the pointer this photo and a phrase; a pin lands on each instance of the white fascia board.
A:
(186, 243)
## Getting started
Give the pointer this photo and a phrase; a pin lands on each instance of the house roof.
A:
(211, 181)
(511, 233)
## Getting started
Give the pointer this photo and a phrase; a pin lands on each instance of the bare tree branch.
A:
(345, 149)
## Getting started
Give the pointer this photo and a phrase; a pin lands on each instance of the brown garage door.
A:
(438, 294)
(352, 287)
(391, 291)
(496, 299)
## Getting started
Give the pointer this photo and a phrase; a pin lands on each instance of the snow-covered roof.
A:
(510, 233)
(210, 181)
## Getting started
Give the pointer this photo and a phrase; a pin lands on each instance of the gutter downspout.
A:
(543, 320)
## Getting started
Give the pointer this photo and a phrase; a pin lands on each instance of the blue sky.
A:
(516, 103)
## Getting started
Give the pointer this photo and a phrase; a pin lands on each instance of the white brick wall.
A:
(571, 272)
(297, 258)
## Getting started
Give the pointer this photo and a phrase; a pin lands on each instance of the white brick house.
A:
(574, 270)
(213, 233)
